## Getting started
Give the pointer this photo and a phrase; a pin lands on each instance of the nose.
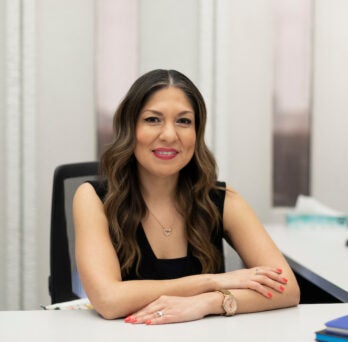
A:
(169, 133)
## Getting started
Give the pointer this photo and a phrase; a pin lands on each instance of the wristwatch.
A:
(229, 303)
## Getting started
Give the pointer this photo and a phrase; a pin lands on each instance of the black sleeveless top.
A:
(153, 268)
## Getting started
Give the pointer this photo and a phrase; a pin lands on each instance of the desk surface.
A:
(292, 324)
(318, 254)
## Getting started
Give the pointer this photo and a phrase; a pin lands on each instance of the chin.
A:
(166, 173)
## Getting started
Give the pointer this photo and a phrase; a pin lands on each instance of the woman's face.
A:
(165, 133)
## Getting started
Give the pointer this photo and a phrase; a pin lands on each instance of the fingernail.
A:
(284, 280)
(279, 270)
(148, 322)
(128, 319)
(281, 288)
(269, 295)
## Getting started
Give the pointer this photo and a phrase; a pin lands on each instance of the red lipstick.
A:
(165, 153)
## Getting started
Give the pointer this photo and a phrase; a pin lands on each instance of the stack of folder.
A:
(336, 331)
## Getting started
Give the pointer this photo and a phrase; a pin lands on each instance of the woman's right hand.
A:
(260, 279)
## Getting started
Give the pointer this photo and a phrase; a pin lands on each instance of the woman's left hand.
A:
(170, 309)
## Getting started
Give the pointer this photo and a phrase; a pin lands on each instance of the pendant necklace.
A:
(166, 230)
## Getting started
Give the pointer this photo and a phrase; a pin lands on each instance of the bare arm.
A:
(99, 267)
(101, 277)
(256, 249)
(267, 283)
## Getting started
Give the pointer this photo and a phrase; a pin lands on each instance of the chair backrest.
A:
(64, 283)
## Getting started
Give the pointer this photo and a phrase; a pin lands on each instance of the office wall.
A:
(2, 139)
(9, 169)
(66, 122)
(169, 36)
(116, 48)
(329, 163)
(244, 74)
(53, 82)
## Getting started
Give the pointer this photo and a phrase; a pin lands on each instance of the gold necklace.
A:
(166, 230)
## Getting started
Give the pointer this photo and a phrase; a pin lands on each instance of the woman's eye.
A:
(185, 121)
(152, 119)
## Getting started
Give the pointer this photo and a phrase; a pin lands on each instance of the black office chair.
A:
(64, 283)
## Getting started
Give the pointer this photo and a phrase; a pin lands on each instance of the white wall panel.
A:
(206, 62)
(168, 36)
(66, 122)
(117, 55)
(12, 156)
(2, 152)
(243, 118)
(329, 164)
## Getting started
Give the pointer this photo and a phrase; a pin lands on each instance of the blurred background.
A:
(273, 73)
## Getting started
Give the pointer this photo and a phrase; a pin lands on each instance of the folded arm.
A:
(99, 268)
(255, 247)
(100, 273)
(267, 283)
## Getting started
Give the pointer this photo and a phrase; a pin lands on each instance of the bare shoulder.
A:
(238, 215)
(85, 189)
(234, 202)
(88, 207)
(85, 194)
(243, 228)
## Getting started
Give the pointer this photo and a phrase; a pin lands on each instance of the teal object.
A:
(316, 220)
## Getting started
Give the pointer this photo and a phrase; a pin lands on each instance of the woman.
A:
(149, 238)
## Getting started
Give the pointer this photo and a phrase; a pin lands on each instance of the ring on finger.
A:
(159, 313)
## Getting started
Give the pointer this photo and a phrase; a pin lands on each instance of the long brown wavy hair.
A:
(124, 205)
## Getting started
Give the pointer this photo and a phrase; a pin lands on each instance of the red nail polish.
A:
(284, 280)
(279, 270)
(281, 288)
(148, 322)
(128, 319)
(269, 295)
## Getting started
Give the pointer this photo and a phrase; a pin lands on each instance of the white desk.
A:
(317, 254)
(293, 324)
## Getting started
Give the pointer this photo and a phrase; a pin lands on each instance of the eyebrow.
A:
(184, 112)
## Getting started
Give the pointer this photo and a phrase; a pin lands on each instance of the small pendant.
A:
(167, 231)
